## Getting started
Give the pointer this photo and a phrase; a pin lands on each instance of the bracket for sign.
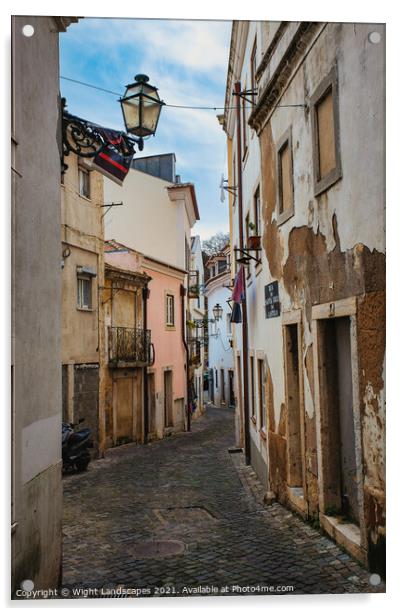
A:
(247, 256)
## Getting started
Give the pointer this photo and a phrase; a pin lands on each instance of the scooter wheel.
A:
(82, 465)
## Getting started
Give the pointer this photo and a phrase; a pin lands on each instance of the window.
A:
(84, 292)
(84, 183)
(212, 271)
(261, 393)
(285, 207)
(169, 310)
(253, 69)
(245, 127)
(247, 229)
(221, 266)
(325, 132)
(252, 389)
(247, 234)
(234, 175)
(257, 212)
(187, 254)
(228, 324)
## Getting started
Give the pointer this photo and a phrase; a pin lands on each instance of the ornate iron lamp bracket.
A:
(87, 139)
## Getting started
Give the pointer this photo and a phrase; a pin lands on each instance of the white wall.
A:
(148, 221)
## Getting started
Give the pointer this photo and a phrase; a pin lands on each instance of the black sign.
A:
(272, 304)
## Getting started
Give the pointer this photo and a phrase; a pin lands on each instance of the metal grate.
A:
(129, 345)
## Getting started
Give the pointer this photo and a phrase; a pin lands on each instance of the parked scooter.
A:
(75, 445)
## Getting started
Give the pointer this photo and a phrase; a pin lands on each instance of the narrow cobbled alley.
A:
(183, 516)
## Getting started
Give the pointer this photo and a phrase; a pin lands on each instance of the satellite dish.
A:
(222, 189)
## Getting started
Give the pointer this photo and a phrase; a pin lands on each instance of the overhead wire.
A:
(201, 108)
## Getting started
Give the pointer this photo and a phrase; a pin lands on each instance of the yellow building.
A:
(128, 350)
(82, 264)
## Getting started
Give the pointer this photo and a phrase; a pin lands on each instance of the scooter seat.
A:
(82, 435)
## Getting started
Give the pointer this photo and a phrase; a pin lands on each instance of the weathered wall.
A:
(82, 246)
(36, 300)
(330, 248)
(123, 401)
(333, 246)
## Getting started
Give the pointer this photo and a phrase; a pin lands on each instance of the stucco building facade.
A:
(82, 281)
(315, 302)
(196, 314)
(36, 496)
(220, 351)
(155, 220)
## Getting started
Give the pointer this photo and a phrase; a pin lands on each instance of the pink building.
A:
(156, 407)
(166, 320)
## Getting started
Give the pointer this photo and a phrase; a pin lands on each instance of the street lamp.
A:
(217, 311)
(141, 107)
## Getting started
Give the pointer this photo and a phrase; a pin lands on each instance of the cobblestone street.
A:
(188, 491)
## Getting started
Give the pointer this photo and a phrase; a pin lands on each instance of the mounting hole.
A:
(374, 37)
(375, 579)
(27, 585)
(28, 30)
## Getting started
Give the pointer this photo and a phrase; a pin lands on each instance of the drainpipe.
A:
(145, 296)
(183, 336)
(237, 87)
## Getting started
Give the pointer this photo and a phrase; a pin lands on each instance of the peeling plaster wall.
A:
(333, 246)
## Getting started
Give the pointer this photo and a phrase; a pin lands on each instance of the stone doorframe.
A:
(351, 537)
(298, 501)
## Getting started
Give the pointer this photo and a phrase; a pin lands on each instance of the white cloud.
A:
(196, 45)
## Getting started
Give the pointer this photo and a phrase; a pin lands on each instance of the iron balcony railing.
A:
(194, 347)
(130, 346)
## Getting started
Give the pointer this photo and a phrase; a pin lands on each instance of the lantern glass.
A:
(217, 312)
(141, 107)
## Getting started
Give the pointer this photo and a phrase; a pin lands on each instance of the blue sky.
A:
(187, 61)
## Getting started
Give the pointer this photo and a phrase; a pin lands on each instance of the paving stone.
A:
(188, 488)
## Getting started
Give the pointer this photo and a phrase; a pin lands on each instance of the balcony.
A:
(194, 350)
(129, 347)
(193, 284)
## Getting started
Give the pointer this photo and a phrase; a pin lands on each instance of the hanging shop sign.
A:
(272, 303)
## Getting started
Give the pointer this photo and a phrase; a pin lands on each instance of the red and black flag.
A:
(113, 160)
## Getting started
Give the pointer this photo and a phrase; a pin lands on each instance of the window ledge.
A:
(284, 216)
(81, 309)
(85, 198)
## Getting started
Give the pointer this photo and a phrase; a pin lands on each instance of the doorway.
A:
(168, 398)
(231, 388)
(294, 406)
(223, 399)
(151, 404)
(338, 433)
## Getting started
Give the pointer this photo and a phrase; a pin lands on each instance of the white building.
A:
(220, 352)
(196, 335)
(306, 157)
